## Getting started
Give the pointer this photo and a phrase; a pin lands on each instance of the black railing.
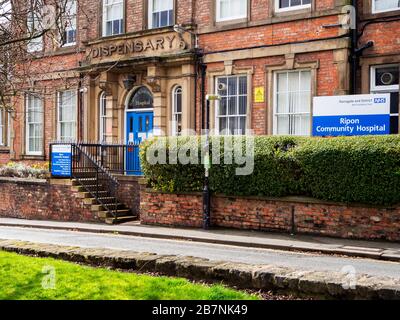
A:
(116, 158)
(95, 180)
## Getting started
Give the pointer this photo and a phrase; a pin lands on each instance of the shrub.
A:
(22, 170)
(351, 169)
(170, 177)
(346, 169)
(275, 172)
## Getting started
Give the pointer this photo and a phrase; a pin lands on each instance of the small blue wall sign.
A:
(61, 161)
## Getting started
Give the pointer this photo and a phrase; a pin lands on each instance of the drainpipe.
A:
(80, 105)
(203, 92)
(356, 52)
(354, 56)
(196, 77)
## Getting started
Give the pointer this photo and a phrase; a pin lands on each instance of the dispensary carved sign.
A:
(128, 48)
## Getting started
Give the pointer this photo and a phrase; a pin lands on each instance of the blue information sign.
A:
(361, 125)
(61, 161)
(355, 115)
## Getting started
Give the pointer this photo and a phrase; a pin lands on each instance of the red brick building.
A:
(122, 69)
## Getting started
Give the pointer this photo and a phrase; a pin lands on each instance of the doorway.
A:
(139, 127)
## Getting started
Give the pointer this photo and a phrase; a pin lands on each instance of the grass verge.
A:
(30, 278)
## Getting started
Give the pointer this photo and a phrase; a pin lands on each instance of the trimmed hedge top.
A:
(346, 169)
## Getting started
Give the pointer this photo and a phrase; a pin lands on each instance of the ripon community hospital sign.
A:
(354, 115)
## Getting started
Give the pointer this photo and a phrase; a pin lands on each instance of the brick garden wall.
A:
(129, 193)
(310, 216)
(41, 200)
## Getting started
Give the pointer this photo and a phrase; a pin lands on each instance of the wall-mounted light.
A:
(129, 82)
(180, 30)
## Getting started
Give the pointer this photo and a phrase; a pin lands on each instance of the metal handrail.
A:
(103, 178)
(110, 156)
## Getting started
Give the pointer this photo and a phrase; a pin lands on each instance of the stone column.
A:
(111, 119)
(342, 65)
(156, 81)
(188, 88)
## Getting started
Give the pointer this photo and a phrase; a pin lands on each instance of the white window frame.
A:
(71, 20)
(103, 117)
(151, 11)
(29, 98)
(218, 13)
(374, 87)
(384, 89)
(275, 105)
(33, 21)
(2, 126)
(237, 115)
(104, 21)
(9, 124)
(374, 10)
(176, 92)
(291, 8)
(59, 123)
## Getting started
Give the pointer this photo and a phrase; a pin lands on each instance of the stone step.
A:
(87, 187)
(79, 182)
(119, 213)
(106, 200)
(120, 219)
(87, 195)
(86, 182)
(100, 207)
(89, 201)
(82, 175)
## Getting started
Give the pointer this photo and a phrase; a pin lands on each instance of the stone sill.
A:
(280, 17)
(23, 180)
(376, 16)
(289, 199)
(33, 157)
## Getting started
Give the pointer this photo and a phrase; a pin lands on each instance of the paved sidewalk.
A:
(250, 239)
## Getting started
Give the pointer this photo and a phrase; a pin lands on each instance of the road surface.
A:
(299, 261)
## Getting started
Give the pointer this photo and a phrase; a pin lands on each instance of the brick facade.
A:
(41, 200)
(310, 216)
(259, 45)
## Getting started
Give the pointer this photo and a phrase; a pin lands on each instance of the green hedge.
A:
(348, 169)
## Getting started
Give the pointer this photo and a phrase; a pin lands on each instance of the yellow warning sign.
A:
(259, 95)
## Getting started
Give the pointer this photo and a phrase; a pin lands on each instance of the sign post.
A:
(355, 115)
(207, 166)
(61, 161)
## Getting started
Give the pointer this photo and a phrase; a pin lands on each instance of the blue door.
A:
(139, 127)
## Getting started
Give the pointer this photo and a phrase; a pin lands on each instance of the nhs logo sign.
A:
(380, 100)
(354, 115)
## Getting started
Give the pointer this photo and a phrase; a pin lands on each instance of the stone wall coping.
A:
(22, 180)
(290, 199)
(121, 177)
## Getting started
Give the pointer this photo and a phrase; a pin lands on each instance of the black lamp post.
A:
(207, 166)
